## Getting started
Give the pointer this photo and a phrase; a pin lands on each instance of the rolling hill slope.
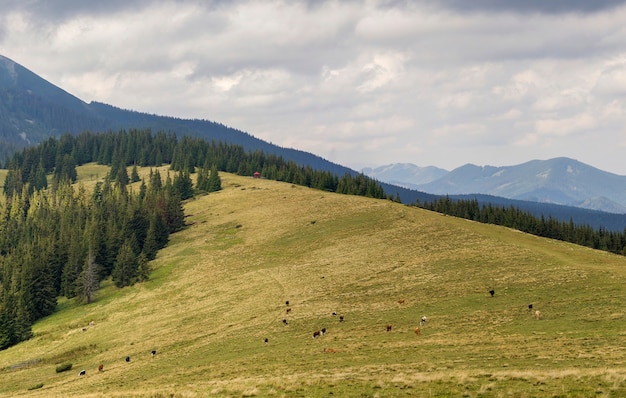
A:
(219, 289)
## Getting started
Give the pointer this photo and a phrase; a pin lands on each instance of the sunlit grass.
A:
(219, 289)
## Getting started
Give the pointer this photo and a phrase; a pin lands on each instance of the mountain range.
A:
(561, 181)
(32, 110)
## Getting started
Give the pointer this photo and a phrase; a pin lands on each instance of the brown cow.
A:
(418, 331)
(330, 350)
(389, 328)
(100, 368)
(317, 334)
(288, 310)
(401, 301)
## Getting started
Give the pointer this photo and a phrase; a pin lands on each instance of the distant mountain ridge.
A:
(561, 181)
(405, 174)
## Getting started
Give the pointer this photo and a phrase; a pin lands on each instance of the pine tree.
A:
(183, 185)
(121, 178)
(125, 268)
(134, 175)
(202, 181)
(215, 182)
(40, 181)
(151, 244)
(143, 268)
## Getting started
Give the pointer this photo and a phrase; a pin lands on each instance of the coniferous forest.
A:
(547, 227)
(57, 239)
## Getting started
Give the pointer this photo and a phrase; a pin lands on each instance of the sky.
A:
(359, 83)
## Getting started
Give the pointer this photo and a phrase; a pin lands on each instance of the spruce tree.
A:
(183, 185)
(143, 268)
(134, 175)
(125, 268)
(215, 182)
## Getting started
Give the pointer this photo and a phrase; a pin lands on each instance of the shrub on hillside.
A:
(64, 368)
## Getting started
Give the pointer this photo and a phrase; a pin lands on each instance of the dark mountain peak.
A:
(14, 76)
(33, 109)
(8, 75)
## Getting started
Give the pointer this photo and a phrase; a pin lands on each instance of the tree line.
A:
(548, 227)
(63, 241)
(59, 157)
(56, 239)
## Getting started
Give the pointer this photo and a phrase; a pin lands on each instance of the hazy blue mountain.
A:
(560, 181)
(405, 175)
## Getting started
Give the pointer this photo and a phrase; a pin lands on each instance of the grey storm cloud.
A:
(54, 11)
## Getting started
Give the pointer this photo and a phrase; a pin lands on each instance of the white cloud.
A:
(566, 126)
(376, 80)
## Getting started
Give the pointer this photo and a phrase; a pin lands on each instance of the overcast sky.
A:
(360, 83)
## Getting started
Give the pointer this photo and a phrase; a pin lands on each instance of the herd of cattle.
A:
(388, 327)
(83, 372)
(322, 331)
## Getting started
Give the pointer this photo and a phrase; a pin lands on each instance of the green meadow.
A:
(220, 287)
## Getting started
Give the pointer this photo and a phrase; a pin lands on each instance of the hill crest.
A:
(219, 289)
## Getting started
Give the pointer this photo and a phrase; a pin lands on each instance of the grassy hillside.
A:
(219, 289)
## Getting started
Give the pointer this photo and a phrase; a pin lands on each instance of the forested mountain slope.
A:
(32, 109)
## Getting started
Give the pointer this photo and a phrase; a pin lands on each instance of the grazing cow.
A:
(423, 321)
(288, 310)
(331, 350)
(84, 329)
(285, 321)
(340, 318)
(287, 302)
(323, 331)
(82, 372)
(538, 315)
(530, 307)
(92, 324)
(317, 334)
(334, 314)
(492, 292)
(266, 340)
(389, 328)
(127, 359)
(153, 352)
(100, 368)
(401, 301)
(417, 331)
